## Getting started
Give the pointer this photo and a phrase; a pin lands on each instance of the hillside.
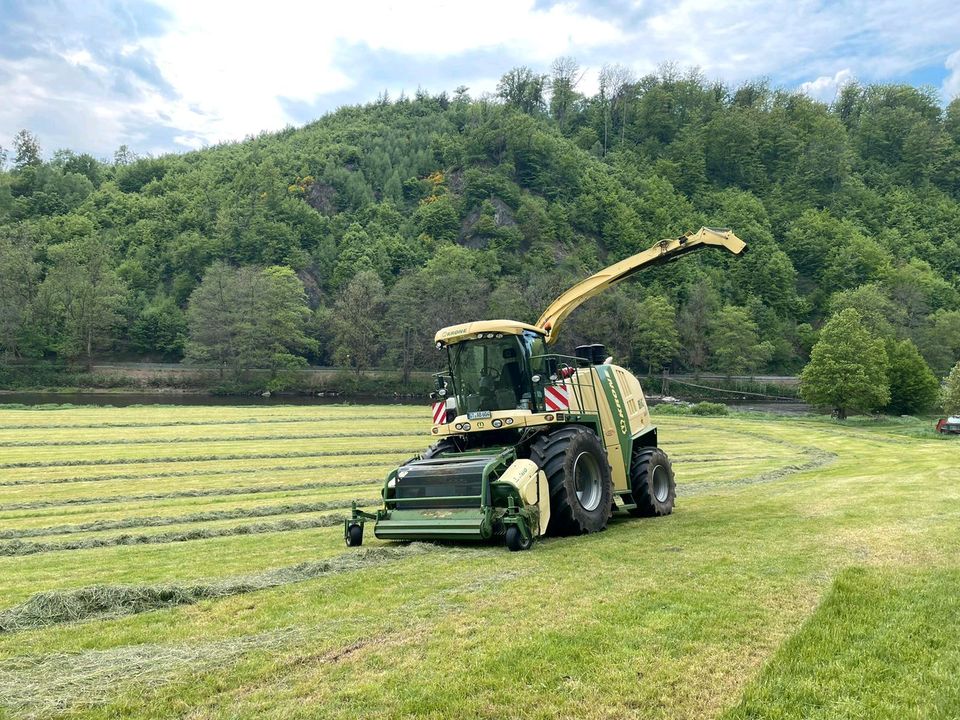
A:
(401, 216)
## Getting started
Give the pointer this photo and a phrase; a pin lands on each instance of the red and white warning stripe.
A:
(555, 398)
(439, 412)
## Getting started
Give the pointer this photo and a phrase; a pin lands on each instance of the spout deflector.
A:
(662, 252)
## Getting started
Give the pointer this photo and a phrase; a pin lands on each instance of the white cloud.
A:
(214, 70)
(82, 58)
(951, 84)
(825, 87)
(791, 42)
(231, 63)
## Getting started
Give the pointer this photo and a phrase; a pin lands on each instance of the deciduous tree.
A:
(656, 340)
(85, 294)
(18, 286)
(734, 344)
(27, 150)
(358, 329)
(847, 369)
(913, 386)
(248, 317)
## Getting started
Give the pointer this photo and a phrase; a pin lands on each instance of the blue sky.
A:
(172, 75)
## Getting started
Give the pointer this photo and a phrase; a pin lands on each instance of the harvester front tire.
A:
(442, 446)
(354, 536)
(564, 455)
(652, 483)
(516, 541)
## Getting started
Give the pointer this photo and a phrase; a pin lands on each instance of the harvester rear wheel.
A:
(581, 492)
(651, 482)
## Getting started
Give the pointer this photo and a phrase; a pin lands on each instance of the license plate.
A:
(478, 415)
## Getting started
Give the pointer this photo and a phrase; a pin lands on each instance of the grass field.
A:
(189, 562)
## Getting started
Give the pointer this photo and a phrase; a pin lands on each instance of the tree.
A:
(614, 81)
(950, 394)
(26, 149)
(565, 76)
(847, 369)
(734, 343)
(940, 339)
(124, 156)
(913, 386)
(448, 290)
(248, 317)
(18, 286)
(358, 333)
(695, 318)
(523, 89)
(879, 314)
(656, 339)
(160, 328)
(85, 294)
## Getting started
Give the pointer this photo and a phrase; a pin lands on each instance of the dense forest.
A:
(351, 240)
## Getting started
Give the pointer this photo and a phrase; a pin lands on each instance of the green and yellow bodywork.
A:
(606, 398)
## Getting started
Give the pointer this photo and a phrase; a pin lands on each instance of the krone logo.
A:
(616, 401)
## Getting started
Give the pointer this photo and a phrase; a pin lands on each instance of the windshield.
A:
(491, 374)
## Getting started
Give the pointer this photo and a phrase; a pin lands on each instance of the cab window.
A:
(490, 374)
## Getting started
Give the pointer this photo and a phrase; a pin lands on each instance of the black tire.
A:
(354, 536)
(441, 447)
(559, 455)
(652, 483)
(516, 541)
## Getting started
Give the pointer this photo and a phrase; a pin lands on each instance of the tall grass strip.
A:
(201, 458)
(199, 517)
(19, 547)
(109, 601)
(36, 687)
(815, 458)
(109, 477)
(181, 440)
(190, 423)
(179, 494)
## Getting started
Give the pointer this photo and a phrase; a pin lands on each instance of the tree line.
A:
(365, 231)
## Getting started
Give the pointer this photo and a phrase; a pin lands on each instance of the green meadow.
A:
(162, 561)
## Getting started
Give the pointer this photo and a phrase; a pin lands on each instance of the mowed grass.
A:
(810, 570)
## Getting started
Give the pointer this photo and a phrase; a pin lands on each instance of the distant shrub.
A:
(669, 409)
(709, 409)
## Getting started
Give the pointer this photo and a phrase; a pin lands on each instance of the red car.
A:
(950, 425)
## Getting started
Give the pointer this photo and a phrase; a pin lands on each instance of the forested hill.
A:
(405, 215)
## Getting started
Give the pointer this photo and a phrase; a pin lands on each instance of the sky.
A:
(175, 75)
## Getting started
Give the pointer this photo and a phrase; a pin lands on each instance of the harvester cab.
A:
(530, 442)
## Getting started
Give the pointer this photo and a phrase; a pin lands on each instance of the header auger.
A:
(530, 442)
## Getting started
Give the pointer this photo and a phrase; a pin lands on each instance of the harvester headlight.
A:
(436, 430)
(466, 426)
(497, 423)
(509, 421)
(548, 418)
(499, 335)
(535, 378)
(439, 345)
(459, 426)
